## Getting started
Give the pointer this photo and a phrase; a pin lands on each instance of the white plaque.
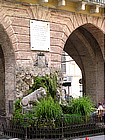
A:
(40, 35)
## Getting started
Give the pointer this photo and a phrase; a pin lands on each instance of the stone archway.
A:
(7, 73)
(84, 48)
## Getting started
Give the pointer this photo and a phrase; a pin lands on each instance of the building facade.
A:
(71, 73)
(78, 33)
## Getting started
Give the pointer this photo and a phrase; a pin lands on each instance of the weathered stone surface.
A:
(25, 78)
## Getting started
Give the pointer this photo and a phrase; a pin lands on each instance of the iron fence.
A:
(56, 129)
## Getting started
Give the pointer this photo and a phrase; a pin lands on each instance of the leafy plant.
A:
(67, 109)
(27, 119)
(49, 82)
(17, 105)
(48, 109)
(20, 118)
(70, 119)
(82, 106)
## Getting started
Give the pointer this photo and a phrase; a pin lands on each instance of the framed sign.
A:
(40, 35)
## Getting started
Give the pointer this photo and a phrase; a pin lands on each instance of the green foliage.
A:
(17, 114)
(17, 105)
(67, 109)
(48, 109)
(52, 84)
(27, 119)
(49, 82)
(82, 106)
(73, 119)
(20, 118)
(17, 110)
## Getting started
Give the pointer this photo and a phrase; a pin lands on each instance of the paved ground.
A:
(101, 137)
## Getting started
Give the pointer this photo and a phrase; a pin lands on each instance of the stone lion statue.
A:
(33, 97)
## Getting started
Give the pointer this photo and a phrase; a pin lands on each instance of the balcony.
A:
(90, 7)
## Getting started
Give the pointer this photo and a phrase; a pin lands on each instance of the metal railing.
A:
(100, 2)
(96, 2)
(60, 128)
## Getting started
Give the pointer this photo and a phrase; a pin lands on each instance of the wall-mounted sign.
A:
(40, 35)
(66, 84)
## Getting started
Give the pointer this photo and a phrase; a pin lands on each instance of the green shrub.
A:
(48, 109)
(49, 82)
(27, 119)
(17, 105)
(67, 109)
(17, 114)
(19, 118)
(73, 119)
(82, 106)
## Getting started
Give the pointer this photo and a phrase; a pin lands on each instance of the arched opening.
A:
(86, 51)
(71, 77)
(7, 73)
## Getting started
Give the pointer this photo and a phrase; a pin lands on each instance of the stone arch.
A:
(64, 23)
(85, 50)
(8, 71)
(95, 25)
(89, 57)
(68, 31)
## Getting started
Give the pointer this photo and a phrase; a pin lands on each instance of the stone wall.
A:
(25, 78)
